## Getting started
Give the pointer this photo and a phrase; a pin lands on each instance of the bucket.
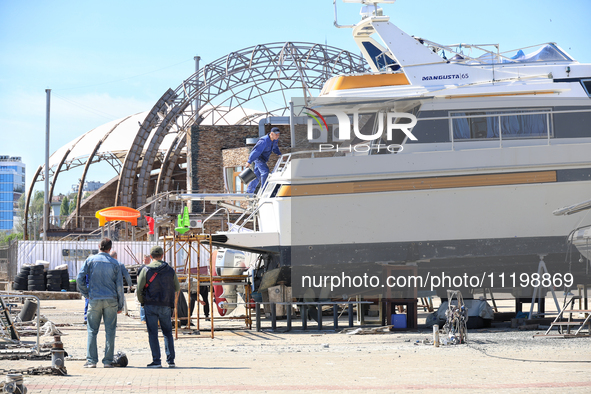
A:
(399, 321)
(28, 311)
(247, 175)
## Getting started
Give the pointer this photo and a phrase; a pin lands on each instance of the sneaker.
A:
(108, 366)
(171, 365)
(154, 365)
(89, 365)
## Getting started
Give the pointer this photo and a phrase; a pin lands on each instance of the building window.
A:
(233, 182)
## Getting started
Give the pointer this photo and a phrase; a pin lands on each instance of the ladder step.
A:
(571, 323)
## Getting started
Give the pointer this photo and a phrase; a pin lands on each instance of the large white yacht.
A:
(501, 140)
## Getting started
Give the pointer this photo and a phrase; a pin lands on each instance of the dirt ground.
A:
(239, 360)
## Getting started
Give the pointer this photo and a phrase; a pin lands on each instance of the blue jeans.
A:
(261, 170)
(107, 310)
(142, 314)
(155, 313)
(85, 309)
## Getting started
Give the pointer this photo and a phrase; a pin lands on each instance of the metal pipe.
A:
(46, 195)
(291, 125)
(334, 2)
(197, 58)
(37, 351)
(273, 316)
(213, 214)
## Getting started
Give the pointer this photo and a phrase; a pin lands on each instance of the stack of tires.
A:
(58, 279)
(21, 279)
(36, 279)
(65, 279)
(54, 280)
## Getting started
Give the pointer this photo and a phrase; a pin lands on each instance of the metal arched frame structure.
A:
(225, 85)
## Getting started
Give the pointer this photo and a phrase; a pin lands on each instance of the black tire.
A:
(36, 282)
(36, 288)
(36, 271)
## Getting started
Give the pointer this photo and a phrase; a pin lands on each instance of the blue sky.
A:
(108, 59)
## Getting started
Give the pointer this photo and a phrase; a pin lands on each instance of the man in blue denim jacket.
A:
(105, 294)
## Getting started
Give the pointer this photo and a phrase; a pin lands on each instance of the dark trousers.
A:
(261, 171)
(162, 314)
(204, 293)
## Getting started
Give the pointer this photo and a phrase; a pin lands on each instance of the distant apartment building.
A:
(12, 186)
(89, 186)
(55, 210)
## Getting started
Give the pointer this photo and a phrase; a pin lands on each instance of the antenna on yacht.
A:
(364, 11)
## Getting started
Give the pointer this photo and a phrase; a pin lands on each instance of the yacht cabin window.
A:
(488, 125)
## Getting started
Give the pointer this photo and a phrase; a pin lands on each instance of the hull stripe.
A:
(446, 182)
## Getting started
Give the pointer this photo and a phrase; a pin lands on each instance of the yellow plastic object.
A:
(118, 213)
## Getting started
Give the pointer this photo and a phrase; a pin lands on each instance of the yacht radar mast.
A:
(366, 10)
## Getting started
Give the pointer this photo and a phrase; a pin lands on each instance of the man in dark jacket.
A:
(260, 156)
(157, 285)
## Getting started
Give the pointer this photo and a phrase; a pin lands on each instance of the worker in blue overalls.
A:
(260, 156)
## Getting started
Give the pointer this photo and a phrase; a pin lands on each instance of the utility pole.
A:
(192, 134)
(197, 58)
(46, 194)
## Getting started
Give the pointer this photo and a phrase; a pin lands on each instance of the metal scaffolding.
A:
(195, 243)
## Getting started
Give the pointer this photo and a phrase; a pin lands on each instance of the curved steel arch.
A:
(242, 76)
(220, 87)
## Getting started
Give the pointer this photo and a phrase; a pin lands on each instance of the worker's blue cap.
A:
(275, 130)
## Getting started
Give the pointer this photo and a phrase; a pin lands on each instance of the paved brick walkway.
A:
(265, 362)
